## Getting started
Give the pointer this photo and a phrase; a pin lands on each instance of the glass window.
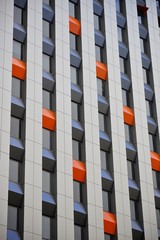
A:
(158, 217)
(12, 218)
(15, 127)
(101, 122)
(127, 132)
(17, 15)
(46, 28)
(46, 139)
(73, 44)
(125, 97)
(133, 209)
(77, 232)
(148, 108)
(104, 160)
(14, 171)
(16, 87)
(119, 29)
(130, 169)
(46, 228)
(17, 50)
(144, 75)
(74, 75)
(140, 19)
(142, 45)
(46, 181)
(46, 1)
(98, 54)
(107, 237)
(155, 178)
(100, 87)
(75, 111)
(122, 68)
(105, 196)
(46, 99)
(72, 9)
(77, 188)
(118, 9)
(96, 22)
(152, 142)
(46, 63)
(76, 149)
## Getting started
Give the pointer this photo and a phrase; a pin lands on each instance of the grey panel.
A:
(16, 149)
(74, 1)
(48, 160)
(20, 3)
(97, 7)
(121, 21)
(131, 151)
(48, 204)
(145, 61)
(105, 141)
(157, 197)
(48, 12)
(48, 46)
(148, 92)
(77, 130)
(142, 31)
(76, 93)
(80, 214)
(141, 2)
(125, 81)
(133, 189)
(152, 125)
(158, 233)
(99, 38)
(19, 33)
(103, 105)
(137, 230)
(48, 81)
(12, 235)
(123, 50)
(17, 107)
(75, 59)
(107, 180)
(15, 196)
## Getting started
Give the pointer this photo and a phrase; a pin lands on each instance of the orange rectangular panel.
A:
(18, 68)
(101, 70)
(155, 161)
(79, 171)
(48, 119)
(109, 223)
(74, 26)
(128, 115)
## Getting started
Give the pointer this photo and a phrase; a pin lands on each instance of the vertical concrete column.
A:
(33, 135)
(6, 42)
(143, 149)
(65, 209)
(91, 124)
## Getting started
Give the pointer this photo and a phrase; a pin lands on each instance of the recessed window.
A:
(158, 217)
(46, 28)
(46, 1)
(119, 30)
(107, 237)
(142, 45)
(104, 160)
(46, 181)
(17, 15)
(98, 53)
(152, 142)
(140, 19)
(14, 171)
(156, 179)
(130, 169)
(16, 87)
(76, 150)
(12, 218)
(46, 63)
(122, 66)
(74, 75)
(96, 22)
(72, 9)
(100, 87)
(46, 137)
(145, 78)
(46, 228)
(106, 201)
(15, 127)
(149, 108)
(73, 43)
(46, 99)
(125, 97)
(118, 7)
(127, 133)
(133, 209)
(17, 50)
(77, 190)
(78, 232)
(75, 111)
(101, 122)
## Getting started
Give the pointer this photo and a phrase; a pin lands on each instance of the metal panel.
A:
(152, 125)
(137, 230)
(75, 58)
(19, 33)
(125, 81)
(99, 38)
(13, 235)
(48, 12)
(107, 180)
(148, 92)
(80, 214)
(131, 151)
(48, 81)
(145, 61)
(105, 141)
(48, 204)
(76, 93)
(77, 130)
(123, 50)
(20, 3)
(142, 31)
(103, 105)
(121, 21)
(17, 107)
(133, 189)
(15, 196)
(48, 160)
(48, 46)
(16, 149)
(97, 7)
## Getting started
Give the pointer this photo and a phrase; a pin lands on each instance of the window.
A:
(145, 75)
(73, 43)
(100, 87)
(119, 30)
(149, 108)
(46, 99)
(101, 122)
(74, 75)
(16, 87)
(78, 233)
(158, 3)
(14, 171)
(75, 111)
(158, 217)
(46, 28)
(46, 63)
(76, 150)
(46, 139)
(72, 9)
(130, 167)
(46, 181)
(107, 237)
(98, 54)
(106, 201)
(46, 228)
(127, 132)
(152, 142)
(17, 15)
(13, 213)
(122, 67)
(125, 97)
(77, 189)
(96, 22)
(156, 179)
(133, 209)
(118, 9)
(15, 127)
(142, 45)
(139, 18)
(104, 160)
(17, 50)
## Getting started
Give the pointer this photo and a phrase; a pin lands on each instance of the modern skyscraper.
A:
(79, 120)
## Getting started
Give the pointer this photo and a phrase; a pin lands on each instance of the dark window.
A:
(14, 171)
(101, 122)
(46, 99)
(145, 78)
(149, 108)
(12, 218)
(130, 167)
(125, 97)
(46, 181)
(46, 63)
(16, 87)
(100, 87)
(73, 43)
(74, 75)
(46, 28)
(127, 132)
(17, 15)
(156, 179)
(96, 22)
(158, 3)
(98, 54)
(122, 66)
(77, 189)
(133, 209)
(152, 142)
(104, 160)
(17, 50)
(15, 127)
(46, 228)
(158, 217)
(46, 139)
(72, 9)
(78, 232)
(76, 150)
(106, 201)
(75, 111)
(119, 30)
(118, 7)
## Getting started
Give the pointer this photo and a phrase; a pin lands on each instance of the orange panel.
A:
(101, 71)
(128, 115)
(79, 171)
(48, 119)
(18, 68)
(109, 223)
(155, 161)
(74, 26)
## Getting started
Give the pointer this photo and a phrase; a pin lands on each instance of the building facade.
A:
(79, 120)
